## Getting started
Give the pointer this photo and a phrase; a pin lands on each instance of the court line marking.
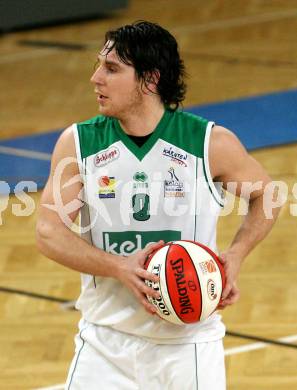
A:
(228, 352)
(235, 60)
(25, 153)
(199, 56)
(260, 339)
(203, 27)
(27, 55)
(255, 346)
(41, 43)
(237, 22)
(61, 386)
(36, 295)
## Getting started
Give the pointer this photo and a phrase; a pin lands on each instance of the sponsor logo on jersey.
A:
(173, 187)
(140, 180)
(207, 266)
(127, 243)
(140, 176)
(140, 197)
(177, 157)
(106, 156)
(107, 186)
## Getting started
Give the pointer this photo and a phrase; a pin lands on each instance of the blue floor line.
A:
(44, 142)
(260, 121)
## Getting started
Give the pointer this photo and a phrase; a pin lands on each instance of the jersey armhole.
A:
(77, 148)
(84, 214)
(216, 189)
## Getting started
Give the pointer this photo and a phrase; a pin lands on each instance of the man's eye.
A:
(111, 69)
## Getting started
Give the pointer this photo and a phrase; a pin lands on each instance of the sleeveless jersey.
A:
(137, 195)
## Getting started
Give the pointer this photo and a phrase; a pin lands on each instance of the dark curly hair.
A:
(151, 50)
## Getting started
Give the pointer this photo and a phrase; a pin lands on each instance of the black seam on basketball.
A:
(166, 281)
(169, 245)
(211, 252)
(80, 335)
(197, 279)
(214, 256)
(222, 283)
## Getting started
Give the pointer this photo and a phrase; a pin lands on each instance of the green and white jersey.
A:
(137, 195)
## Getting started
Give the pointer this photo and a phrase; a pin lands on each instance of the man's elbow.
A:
(44, 234)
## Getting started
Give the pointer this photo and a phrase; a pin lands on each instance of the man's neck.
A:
(144, 122)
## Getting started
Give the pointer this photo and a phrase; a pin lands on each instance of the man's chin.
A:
(105, 111)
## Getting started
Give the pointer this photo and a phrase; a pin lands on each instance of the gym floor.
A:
(240, 57)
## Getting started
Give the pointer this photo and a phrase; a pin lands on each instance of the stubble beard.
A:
(131, 106)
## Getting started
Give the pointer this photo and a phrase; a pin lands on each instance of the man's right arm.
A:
(56, 240)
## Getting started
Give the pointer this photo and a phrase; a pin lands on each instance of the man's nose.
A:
(97, 76)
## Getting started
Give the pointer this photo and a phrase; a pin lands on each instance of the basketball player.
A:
(149, 173)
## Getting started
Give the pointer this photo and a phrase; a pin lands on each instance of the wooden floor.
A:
(231, 49)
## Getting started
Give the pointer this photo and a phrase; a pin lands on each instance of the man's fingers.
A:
(222, 305)
(152, 247)
(231, 298)
(142, 273)
(227, 302)
(222, 258)
(226, 291)
(148, 306)
(145, 303)
(148, 290)
(235, 295)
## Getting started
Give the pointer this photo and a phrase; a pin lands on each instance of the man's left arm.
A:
(230, 162)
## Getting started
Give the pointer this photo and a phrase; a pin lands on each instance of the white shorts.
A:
(109, 360)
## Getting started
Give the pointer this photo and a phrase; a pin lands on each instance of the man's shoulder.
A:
(187, 131)
(95, 134)
(96, 121)
(97, 127)
(186, 117)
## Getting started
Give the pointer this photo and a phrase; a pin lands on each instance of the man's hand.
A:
(231, 264)
(132, 274)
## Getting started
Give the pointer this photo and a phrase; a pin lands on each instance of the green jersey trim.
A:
(141, 151)
(186, 131)
(206, 168)
(96, 134)
(77, 148)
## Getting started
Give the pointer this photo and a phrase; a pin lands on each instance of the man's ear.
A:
(152, 80)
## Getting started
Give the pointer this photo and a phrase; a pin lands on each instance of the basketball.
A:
(191, 281)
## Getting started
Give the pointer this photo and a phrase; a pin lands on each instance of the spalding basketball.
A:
(191, 281)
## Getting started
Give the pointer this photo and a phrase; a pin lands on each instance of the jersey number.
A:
(141, 207)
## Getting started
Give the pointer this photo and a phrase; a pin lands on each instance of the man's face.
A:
(116, 86)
